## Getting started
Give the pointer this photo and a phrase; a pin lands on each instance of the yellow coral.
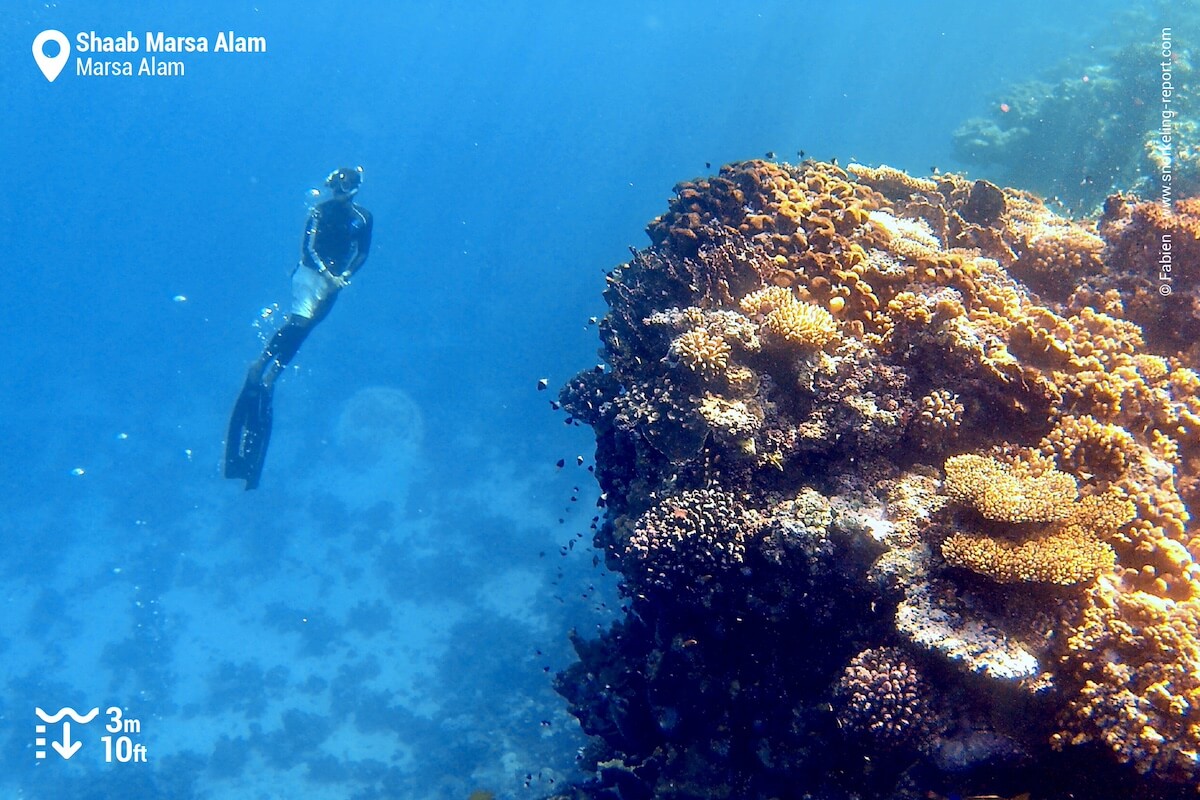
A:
(940, 410)
(1063, 558)
(702, 352)
(891, 181)
(1066, 552)
(1152, 368)
(999, 493)
(1091, 448)
(802, 324)
(764, 301)
(1136, 660)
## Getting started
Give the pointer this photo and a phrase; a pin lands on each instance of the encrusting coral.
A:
(858, 427)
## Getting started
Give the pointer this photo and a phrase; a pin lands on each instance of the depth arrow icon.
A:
(66, 748)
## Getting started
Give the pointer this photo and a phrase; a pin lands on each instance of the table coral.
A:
(1010, 493)
(852, 410)
(1063, 557)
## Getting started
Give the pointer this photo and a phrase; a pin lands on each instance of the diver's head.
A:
(344, 182)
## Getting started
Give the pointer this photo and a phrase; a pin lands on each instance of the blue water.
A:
(384, 629)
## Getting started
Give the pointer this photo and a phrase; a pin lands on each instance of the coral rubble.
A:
(897, 473)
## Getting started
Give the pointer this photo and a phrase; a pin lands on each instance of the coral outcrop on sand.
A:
(898, 474)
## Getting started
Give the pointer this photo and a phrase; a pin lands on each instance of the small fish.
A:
(542, 384)
(770, 154)
(708, 165)
(802, 154)
(1005, 108)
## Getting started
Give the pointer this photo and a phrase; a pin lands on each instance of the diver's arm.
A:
(310, 242)
(362, 245)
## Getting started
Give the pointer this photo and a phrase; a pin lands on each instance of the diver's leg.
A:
(283, 348)
(250, 423)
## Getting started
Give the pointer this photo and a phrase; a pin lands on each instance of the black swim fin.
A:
(249, 434)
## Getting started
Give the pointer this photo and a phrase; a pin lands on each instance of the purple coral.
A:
(883, 699)
(687, 536)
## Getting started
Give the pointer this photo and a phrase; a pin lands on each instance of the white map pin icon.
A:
(51, 66)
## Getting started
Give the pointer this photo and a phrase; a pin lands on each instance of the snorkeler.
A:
(337, 238)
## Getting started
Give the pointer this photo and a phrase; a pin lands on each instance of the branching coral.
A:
(801, 324)
(1136, 660)
(787, 321)
(702, 352)
(687, 536)
(882, 696)
(940, 411)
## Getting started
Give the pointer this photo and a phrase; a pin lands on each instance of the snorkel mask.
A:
(345, 180)
(342, 182)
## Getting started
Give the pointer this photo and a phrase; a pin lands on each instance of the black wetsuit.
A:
(337, 238)
(338, 234)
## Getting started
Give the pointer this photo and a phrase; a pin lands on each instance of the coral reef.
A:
(1093, 129)
(897, 471)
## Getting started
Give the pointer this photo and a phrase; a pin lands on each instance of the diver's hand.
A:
(340, 281)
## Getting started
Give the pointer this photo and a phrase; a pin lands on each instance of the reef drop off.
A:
(898, 474)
